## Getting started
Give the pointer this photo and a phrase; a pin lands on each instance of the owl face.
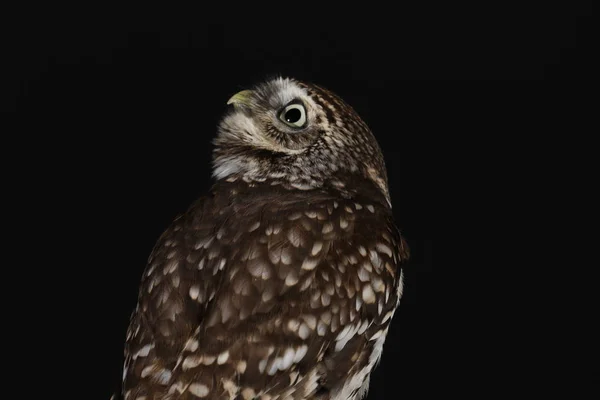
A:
(295, 132)
(279, 117)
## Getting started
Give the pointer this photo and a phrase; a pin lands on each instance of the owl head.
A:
(298, 133)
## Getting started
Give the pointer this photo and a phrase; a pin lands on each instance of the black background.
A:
(119, 115)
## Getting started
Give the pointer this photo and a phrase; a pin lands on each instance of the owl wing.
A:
(302, 307)
(176, 288)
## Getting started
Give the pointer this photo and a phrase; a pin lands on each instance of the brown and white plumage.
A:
(282, 282)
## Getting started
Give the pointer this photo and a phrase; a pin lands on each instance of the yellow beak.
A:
(242, 98)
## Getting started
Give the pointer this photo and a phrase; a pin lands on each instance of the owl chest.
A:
(333, 258)
(337, 247)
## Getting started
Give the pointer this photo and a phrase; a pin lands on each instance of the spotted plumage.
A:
(281, 283)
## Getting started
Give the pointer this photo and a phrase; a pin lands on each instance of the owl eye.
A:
(294, 115)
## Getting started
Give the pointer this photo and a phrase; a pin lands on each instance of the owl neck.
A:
(342, 186)
(288, 171)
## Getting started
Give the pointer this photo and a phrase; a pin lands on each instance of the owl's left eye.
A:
(294, 115)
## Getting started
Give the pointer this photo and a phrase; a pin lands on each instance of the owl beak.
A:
(241, 98)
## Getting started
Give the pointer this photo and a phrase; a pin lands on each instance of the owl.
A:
(282, 281)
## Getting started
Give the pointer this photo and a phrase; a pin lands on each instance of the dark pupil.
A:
(293, 115)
